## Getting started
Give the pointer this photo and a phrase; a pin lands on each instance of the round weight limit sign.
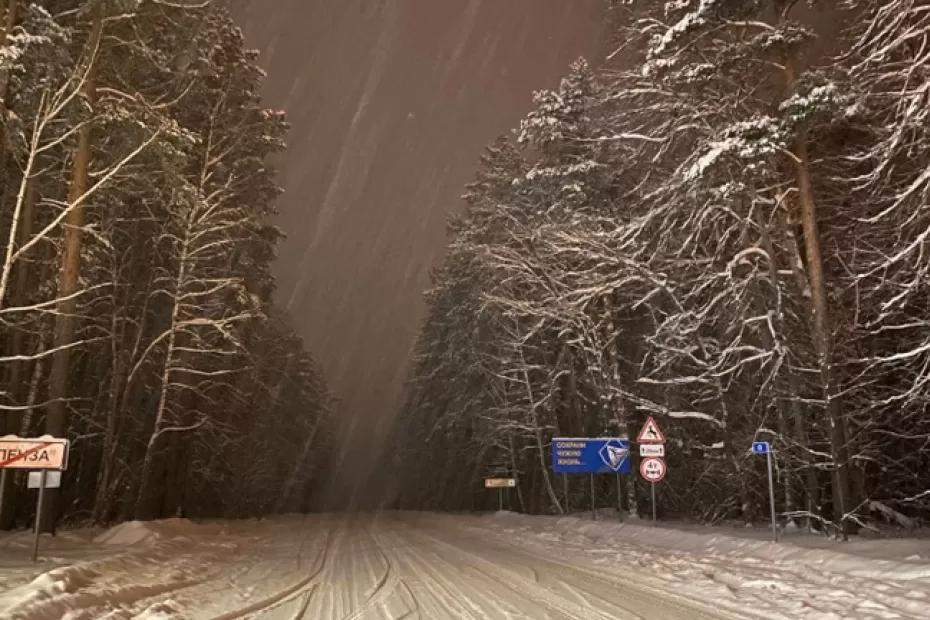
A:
(652, 469)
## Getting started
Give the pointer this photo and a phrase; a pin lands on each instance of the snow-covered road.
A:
(330, 567)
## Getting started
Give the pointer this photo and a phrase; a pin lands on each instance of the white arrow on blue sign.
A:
(761, 447)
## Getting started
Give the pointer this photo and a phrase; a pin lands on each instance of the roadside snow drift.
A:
(431, 566)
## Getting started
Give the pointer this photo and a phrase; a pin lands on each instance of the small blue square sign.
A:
(760, 447)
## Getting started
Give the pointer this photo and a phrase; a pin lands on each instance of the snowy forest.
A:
(723, 224)
(136, 285)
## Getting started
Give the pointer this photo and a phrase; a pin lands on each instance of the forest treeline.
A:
(135, 291)
(723, 225)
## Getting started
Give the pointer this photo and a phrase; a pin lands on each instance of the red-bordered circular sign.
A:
(652, 469)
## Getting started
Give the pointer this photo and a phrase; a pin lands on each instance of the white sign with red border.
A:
(42, 453)
(652, 469)
(650, 433)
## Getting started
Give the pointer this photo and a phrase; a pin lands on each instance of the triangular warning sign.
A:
(651, 433)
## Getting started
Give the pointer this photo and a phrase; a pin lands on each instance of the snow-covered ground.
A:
(432, 566)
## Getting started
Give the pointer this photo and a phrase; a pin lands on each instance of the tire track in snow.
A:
(454, 583)
(307, 597)
(415, 609)
(384, 586)
(495, 577)
(640, 598)
(304, 586)
(439, 598)
(526, 588)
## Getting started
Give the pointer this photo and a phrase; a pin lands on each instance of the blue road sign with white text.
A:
(761, 447)
(589, 455)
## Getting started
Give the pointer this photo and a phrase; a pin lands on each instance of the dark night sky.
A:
(391, 102)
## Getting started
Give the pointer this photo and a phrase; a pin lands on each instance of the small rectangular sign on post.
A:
(499, 483)
(588, 455)
(52, 480)
(652, 450)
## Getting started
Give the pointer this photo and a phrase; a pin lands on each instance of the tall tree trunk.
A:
(56, 420)
(125, 364)
(22, 427)
(734, 452)
(173, 478)
(822, 331)
(537, 431)
(513, 472)
(151, 483)
(16, 369)
(286, 499)
(812, 488)
(793, 414)
(21, 281)
(9, 10)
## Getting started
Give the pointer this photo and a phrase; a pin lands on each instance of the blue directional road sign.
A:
(761, 447)
(588, 455)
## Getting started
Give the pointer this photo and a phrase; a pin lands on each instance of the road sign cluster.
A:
(609, 455)
(652, 467)
(651, 442)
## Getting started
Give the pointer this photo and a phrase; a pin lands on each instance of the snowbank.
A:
(126, 534)
(803, 577)
(138, 532)
(108, 571)
(179, 569)
(899, 559)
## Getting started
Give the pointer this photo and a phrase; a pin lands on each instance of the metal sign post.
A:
(3, 475)
(38, 525)
(593, 508)
(768, 458)
(763, 447)
(653, 485)
(619, 499)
